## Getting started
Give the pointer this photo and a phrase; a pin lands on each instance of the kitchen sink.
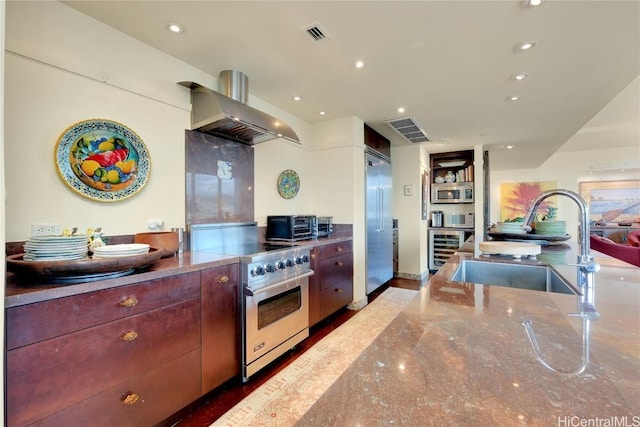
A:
(523, 276)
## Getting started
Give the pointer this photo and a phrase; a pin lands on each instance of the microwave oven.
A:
(459, 220)
(452, 192)
(290, 227)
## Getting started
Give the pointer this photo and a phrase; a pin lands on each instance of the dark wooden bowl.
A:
(83, 270)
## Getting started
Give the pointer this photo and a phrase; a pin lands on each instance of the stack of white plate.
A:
(115, 251)
(56, 248)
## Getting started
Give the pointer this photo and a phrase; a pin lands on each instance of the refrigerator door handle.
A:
(381, 209)
(377, 208)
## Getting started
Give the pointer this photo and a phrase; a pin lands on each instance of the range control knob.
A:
(298, 260)
(305, 258)
(270, 268)
(281, 265)
(290, 262)
(258, 271)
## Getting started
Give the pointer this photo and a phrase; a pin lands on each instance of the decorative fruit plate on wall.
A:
(102, 160)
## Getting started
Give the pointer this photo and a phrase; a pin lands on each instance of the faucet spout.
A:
(584, 216)
(587, 267)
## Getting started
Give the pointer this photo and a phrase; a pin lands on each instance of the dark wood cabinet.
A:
(374, 140)
(220, 326)
(314, 288)
(331, 288)
(138, 401)
(122, 356)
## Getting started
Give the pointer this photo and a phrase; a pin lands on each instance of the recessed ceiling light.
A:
(401, 110)
(175, 27)
(519, 77)
(508, 147)
(513, 98)
(322, 113)
(525, 45)
(532, 2)
(296, 98)
(359, 64)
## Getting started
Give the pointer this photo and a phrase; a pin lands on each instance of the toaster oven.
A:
(324, 226)
(290, 227)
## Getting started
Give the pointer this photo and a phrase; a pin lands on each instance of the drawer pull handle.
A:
(223, 279)
(339, 263)
(130, 399)
(339, 290)
(313, 256)
(130, 336)
(129, 302)
(339, 249)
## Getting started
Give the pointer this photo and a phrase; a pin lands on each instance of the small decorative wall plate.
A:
(288, 184)
(102, 160)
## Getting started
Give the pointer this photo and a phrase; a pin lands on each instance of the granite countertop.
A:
(458, 354)
(20, 292)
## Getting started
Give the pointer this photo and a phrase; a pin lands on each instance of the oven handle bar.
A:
(252, 292)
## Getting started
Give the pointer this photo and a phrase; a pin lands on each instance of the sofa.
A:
(623, 251)
(633, 238)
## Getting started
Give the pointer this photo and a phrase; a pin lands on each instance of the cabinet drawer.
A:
(336, 271)
(40, 321)
(335, 297)
(161, 392)
(45, 377)
(335, 249)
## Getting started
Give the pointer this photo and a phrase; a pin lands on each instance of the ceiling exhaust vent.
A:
(409, 129)
(316, 32)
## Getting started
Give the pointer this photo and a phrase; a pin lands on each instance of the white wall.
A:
(339, 186)
(408, 163)
(74, 68)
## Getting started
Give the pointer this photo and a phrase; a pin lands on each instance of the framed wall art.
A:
(612, 201)
(102, 160)
(516, 198)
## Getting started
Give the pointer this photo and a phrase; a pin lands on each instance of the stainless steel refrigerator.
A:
(379, 259)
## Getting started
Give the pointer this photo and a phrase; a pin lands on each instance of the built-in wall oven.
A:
(274, 295)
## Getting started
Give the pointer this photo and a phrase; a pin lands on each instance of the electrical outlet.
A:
(155, 223)
(45, 229)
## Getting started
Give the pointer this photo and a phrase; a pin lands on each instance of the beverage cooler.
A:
(443, 243)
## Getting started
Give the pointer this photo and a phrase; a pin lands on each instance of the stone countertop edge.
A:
(17, 295)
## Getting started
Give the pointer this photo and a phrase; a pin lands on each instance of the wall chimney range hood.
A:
(226, 114)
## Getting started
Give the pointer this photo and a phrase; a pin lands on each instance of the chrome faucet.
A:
(587, 267)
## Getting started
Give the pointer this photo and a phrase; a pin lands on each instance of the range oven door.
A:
(276, 318)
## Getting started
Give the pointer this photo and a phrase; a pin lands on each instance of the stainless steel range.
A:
(274, 293)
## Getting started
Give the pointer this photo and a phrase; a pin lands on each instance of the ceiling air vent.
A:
(409, 129)
(316, 32)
